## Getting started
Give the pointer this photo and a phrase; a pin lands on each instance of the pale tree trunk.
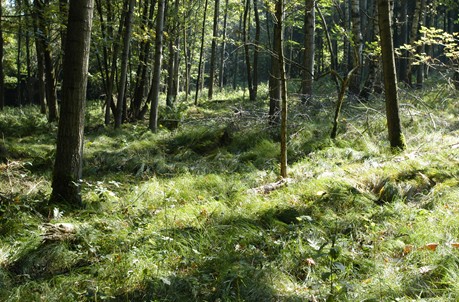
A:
(155, 85)
(279, 40)
(67, 171)
(223, 48)
(201, 54)
(274, 78)
(213, 54)
(121, 102)
(396, 138)
(309, 50)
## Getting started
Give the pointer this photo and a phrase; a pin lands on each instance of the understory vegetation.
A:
(196, 212)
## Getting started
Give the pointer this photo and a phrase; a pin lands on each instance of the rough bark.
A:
(69, 151)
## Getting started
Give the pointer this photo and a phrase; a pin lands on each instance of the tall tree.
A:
(245, 32)
(154, 90)
(309, 49)
(50, 78)
(2, 74)
(279, 40)
(223, 47)
(201, 53)
(357, 43)
(69, 151)
(121, 102)
(396, 138)
(213, 54)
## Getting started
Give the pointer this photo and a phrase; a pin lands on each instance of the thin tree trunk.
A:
(274, 78)
(256, 50)
(279, 39)
(121, 102)
(213, 52)
(2, 75)
(396, 138)
(357, 40)
(245, 32)
(201, 54)
(223, 48)
(67, 171)
(309, 50)
(155, 86)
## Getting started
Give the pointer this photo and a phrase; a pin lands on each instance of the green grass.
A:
(173, 216)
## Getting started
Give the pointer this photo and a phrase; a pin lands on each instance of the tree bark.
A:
(201, 54)
(67, 171)
(396, 138)
(2, 75)
(309, 50)
(223, 49)
(155, 86)
(357, 40)
(279, 40)
(245, 32)
(213, 52)
(121, 102)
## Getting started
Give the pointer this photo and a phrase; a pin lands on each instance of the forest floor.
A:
(198, 213)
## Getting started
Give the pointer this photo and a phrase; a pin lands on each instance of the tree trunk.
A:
(274, 78)
(309, 50)
(213, 52)
(357, 40)
(121, 102)
(201, 54)
(50, 80)
(223, 48)
(67, 171)
(2, 75)
(256, 51)
(416, 23)
(155, 85)
(396, 138)
(279, 40)
(245, 32)
(141, 75)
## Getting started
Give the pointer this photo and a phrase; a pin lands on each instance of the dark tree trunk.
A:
(121, 102)
(245, 32)
(396, 138)
(154, 90)
(2, 75)
(274, 78)
(50, 80)
(67, 171)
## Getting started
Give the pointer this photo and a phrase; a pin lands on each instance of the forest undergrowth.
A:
(187, 214)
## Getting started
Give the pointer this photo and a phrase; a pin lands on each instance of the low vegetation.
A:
(184, 214)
